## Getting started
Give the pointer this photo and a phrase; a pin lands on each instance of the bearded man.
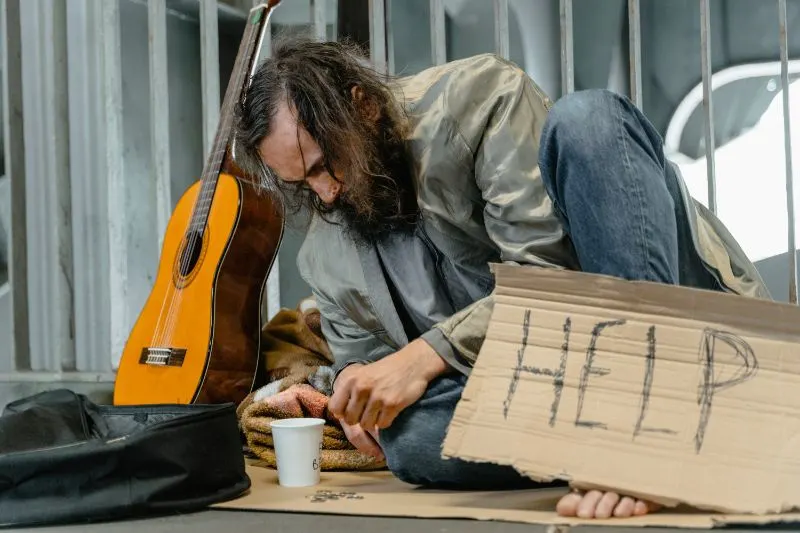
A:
(417, 185)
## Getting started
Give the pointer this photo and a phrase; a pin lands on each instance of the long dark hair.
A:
(316, 79)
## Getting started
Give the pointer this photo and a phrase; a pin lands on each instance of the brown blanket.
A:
(298, 371)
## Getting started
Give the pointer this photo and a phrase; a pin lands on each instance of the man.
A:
(418, 185)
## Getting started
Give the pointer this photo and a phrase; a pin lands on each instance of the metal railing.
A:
(70, 305)
(439, 54)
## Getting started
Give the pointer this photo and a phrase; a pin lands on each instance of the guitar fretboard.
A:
(244, 58)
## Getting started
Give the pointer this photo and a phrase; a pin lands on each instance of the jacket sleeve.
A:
(348, 342)
(501, 123)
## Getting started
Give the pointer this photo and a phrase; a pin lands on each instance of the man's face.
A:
(296, 157)
(371, 204)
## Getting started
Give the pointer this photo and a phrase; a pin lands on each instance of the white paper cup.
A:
(297, 443)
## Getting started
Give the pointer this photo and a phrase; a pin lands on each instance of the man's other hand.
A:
(597, 504)
(373, 395)
(364, 441)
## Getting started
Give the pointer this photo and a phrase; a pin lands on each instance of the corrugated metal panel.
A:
(319, 17)
(89, 194)
(787, 136)
(567, 46)
(14, 148)
(159, 112)
(438, 33)
(116, 201)
(708, 102)
(635, 51)
(501, 40)
(49, 225)
(377, 35)
(209, 67)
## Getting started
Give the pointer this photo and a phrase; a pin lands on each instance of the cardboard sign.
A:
(666, 393)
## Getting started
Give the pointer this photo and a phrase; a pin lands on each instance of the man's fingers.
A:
(589, 503)
(362, 441)
(338, 402)
(356, 405)
(371, 413)
(387, 416)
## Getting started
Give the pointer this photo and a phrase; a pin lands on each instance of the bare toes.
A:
(568, 505)
(625, 508)
(642, 508)
(588, 505)
(606, 506)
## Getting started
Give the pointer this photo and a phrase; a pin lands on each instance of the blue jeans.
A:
(603, 165)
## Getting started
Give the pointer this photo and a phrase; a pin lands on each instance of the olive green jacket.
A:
(474, 137)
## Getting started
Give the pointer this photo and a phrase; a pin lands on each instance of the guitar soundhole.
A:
(191, 255)
(192, 249)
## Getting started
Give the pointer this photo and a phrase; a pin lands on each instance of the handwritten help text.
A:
(709, 384)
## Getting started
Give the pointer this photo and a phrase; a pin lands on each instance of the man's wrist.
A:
(346, 369)
(430, 362)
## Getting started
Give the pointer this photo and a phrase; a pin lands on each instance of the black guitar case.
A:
(65, 459)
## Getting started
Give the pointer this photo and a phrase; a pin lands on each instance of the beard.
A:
(382, 203)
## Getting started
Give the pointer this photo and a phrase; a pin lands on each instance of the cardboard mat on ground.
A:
(380, 494)
(668, 393)
(672, 394)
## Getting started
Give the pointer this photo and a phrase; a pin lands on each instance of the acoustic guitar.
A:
(197, 338)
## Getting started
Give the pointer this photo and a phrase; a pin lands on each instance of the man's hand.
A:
(365, 441)
(597, 504)
(373, 395)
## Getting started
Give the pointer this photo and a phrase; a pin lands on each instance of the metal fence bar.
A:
(209, 71)
(14, 148)
(390, 64)
(319, 16)
(708, 102)
(787, 136)
(88, 193)
(567, 56)
(159, 112)
(271, 301)
(265, 45)
(501, 39)
(377, 35)
(49, 228)
(635, 51)
(438, 33)
(116, 198)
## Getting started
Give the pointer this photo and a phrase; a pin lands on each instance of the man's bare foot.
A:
(597, 504)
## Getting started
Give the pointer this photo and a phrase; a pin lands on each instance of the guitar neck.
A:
(245, 59)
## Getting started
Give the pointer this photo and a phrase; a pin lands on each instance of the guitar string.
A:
(205, 197)
(204, 200)
(201, 212)
(163, 335)
(164, 332)
(194, 228)
(160, 333)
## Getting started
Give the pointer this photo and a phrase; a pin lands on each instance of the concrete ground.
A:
(252, 522)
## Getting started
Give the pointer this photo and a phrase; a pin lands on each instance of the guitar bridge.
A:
(162, 356)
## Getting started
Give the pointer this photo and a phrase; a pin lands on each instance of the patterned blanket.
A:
(299, 380)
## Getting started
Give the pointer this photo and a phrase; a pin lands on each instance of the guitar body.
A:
(197, 338)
